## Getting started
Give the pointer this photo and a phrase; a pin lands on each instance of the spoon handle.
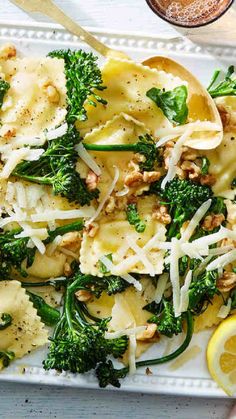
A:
(48, 8)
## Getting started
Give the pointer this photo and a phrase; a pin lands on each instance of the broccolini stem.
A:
(76, 226)
(175, 354)
(42, 180)
(49, 315)
(57, 283)
(110, 147)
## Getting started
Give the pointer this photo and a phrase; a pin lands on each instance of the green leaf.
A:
(223, 86)
(102, 268)
(173, 103)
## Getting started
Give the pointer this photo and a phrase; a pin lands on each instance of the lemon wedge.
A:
(221, 355)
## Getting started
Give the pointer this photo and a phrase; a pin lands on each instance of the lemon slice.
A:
(221, 355)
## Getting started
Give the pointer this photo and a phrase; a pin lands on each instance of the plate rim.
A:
(156, 384)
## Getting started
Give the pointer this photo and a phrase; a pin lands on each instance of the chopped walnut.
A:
(161, 214)
(110, 205)
(139, 158)
(209, 180)
(91, 180)
(7, 51)
(149, 333)
(149, 177)
(52, 94)
(71, 240)
(228, 118)
(191, 168)
(189, 154)
(83, 295)
(67, 269)
(167, 153)
(133, 179)
(212, 221)
(92, 229)
(226, 282)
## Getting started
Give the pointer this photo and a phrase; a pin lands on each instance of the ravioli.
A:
(26, 332)
(29, 106)
(127, 83)
(122, 129)
(112, 235)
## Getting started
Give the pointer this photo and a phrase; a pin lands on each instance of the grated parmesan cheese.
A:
(161, 287)
(88, 159)
(127, 332)
(132, 354)
(225, 309)
(107, 195)
(184, 293)
(127, 277)
(16, 156)
(174, 158)
(198, 216)
(142, 255)
(222, 261)
(62, 215)
(52, 134)
(174, 275)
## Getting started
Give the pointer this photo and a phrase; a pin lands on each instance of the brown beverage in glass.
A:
(190, 13)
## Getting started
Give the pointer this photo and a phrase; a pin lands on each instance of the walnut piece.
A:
(149, 177)
(226, 282)
(160, 213)
(91, 180)
(92, 229)
(67, 269)
(212, 221)
(83, 295)
(133, 179)
(192, 169)
(147, 334)
(209, 180)
(71, 240)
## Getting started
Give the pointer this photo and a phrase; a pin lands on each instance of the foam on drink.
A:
(190, 12)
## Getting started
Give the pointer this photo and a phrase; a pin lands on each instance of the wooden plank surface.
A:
(24, 401)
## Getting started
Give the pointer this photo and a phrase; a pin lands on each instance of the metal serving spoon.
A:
(201, 105)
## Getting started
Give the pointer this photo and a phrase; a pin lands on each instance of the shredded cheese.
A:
(62, 215)
(16, 156)
(127, 277)
(88, 159)
(225, 309)
(127, 332)
(174, 158)
(107, 195)
(142, 255)
(222, 261)
(161, 287)
(184, 293)
(132, 354)
(174, 275)
(196, 126)
(198, 216)
(57, 132)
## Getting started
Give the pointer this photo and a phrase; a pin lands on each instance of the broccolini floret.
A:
(202, 289)
(57, 167)
(223, 86)
(163, 316)
(13, 251)
(183, 198)
(83, 80)
(4, 87)
(134, 218)
(78, 345)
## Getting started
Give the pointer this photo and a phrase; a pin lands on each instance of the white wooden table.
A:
(27, 401)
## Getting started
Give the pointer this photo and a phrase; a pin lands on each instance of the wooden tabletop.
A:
(29, 401)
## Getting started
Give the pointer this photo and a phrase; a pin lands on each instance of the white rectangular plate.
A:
(191, 379)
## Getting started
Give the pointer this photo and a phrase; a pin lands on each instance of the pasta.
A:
(27, 332)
